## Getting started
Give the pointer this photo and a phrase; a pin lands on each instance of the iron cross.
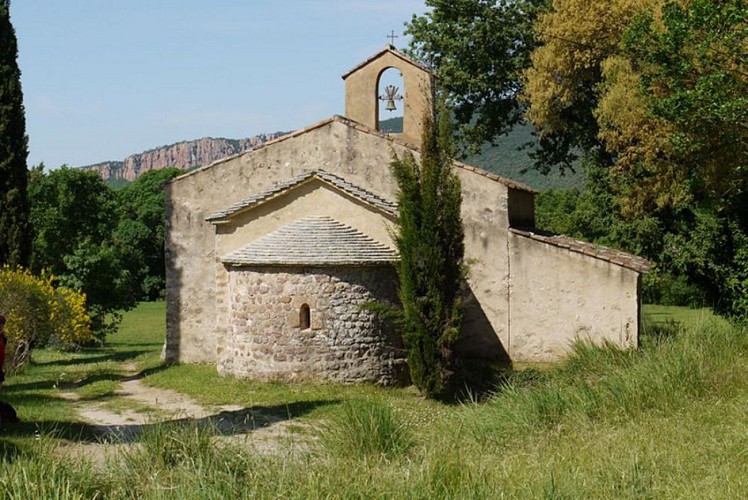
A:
(392, 37)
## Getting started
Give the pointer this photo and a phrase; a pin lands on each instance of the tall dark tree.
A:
(431, 245)
(15, 237)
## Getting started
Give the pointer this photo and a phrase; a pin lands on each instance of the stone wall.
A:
(344, 342)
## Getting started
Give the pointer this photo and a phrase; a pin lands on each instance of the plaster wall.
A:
(197, 314)
(486, 220)
(558, 296)
(343, 343)
(361, 94)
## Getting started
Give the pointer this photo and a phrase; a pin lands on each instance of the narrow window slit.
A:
(304, 317)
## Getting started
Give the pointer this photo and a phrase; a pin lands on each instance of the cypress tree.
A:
(430, 240)
(15, 237)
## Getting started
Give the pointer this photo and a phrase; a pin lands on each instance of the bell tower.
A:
(362, 94)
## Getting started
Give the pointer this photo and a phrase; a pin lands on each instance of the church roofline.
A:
(388, 49)
(362, 128)
(623, 259)
(339, 183)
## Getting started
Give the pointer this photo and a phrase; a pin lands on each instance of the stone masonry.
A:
(345, 342)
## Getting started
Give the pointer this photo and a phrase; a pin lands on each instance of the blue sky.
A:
(103, 79)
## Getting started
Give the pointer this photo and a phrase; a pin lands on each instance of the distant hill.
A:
(510, 158)
(185, 155)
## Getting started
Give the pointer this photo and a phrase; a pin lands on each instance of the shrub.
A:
(365, 429)
(37, 313)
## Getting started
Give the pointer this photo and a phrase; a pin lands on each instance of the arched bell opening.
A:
(390, 101)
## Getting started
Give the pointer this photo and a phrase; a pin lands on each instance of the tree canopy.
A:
(478, 50)
(653, 94)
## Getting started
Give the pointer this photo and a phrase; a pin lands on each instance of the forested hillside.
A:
(509, 156)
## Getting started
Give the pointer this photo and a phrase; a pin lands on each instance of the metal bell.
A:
(390, 95)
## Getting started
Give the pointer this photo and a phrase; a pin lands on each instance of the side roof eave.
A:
(617, 257)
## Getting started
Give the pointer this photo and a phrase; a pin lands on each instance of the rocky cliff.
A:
(186, 155)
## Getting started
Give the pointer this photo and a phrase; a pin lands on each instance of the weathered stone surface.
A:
(345, 342)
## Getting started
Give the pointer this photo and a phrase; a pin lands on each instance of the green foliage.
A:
(141, 230)
(15, 241)
(38, 314)
(365, 429)
(430, 241)
(68, 207)
(699, 252)
(478, 50)
(695, 78)
(72, 213)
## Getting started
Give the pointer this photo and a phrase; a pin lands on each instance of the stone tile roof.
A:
(367, 130)
(623, 259)
(282, 187)
(312, 241)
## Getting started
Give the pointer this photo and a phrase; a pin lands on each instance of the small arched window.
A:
(304, 317)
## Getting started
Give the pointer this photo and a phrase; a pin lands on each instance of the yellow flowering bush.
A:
(38, 313)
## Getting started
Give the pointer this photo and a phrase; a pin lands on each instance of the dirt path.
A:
(142, 407)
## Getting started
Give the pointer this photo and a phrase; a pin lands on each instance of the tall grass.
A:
(365, 429)
(606, 383)
(666, 421)
(44, 472)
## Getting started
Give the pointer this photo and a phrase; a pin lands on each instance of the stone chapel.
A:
(271, 253)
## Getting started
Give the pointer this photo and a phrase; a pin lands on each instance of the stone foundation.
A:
(344, 341)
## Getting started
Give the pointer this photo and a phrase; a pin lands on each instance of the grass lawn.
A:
(667, 421)
(656, 314)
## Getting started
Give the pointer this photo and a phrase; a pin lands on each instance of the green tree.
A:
(141, 229)
(654, 95)
(73, 214)
(68, 206)
(430, 242)
(693, 63)
(478, 50)
(15, 237)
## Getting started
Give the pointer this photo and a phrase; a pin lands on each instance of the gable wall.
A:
(197, 315)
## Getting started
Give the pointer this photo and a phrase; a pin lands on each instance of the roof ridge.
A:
(368, 130)
(388, 49)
